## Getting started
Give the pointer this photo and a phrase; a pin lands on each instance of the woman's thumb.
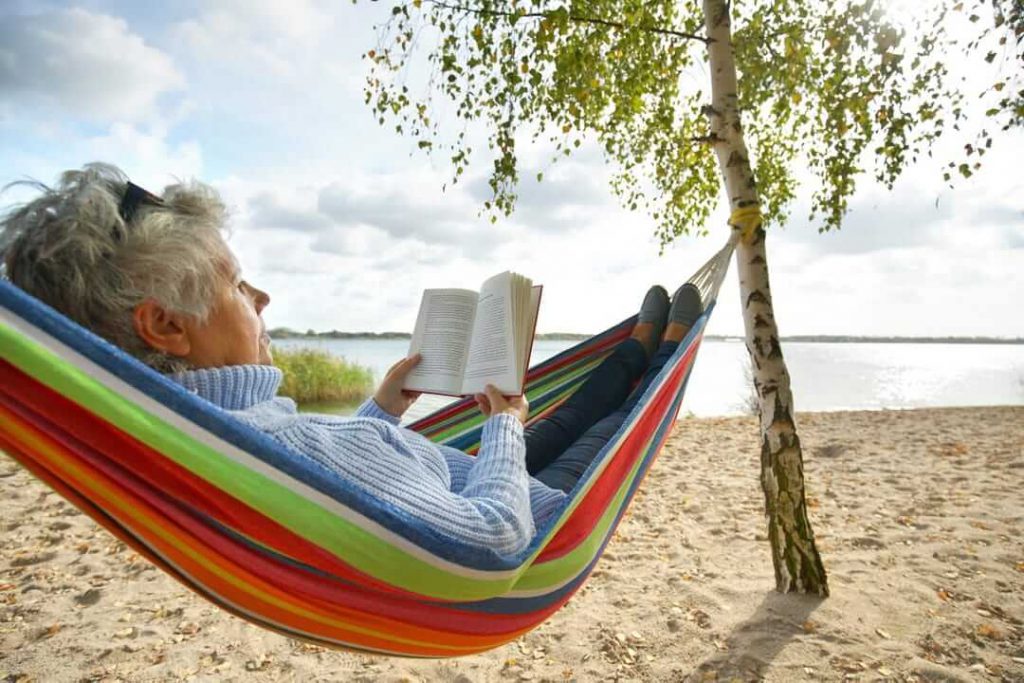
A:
(494, 395)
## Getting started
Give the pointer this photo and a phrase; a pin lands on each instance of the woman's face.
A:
(234, 332)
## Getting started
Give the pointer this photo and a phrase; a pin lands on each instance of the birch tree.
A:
(687, 97)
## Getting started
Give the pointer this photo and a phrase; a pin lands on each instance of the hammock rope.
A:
(273, 538)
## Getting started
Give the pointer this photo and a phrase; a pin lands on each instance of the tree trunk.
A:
(798, 566)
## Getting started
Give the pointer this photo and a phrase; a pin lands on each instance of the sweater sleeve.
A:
(400, 467)
(370, 408)
(498, 480)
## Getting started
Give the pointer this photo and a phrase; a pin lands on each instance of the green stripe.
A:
(354, 545)
(465, 423)
(577, 373)
(556, 572)
(470, 419)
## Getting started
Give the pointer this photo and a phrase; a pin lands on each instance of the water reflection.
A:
(825, 376)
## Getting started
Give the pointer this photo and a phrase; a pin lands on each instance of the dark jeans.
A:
(560, 447)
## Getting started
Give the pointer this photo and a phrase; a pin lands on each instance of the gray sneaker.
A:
(686, 306)
(654, 310)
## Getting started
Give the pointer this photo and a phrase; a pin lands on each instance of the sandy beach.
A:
(919, 515)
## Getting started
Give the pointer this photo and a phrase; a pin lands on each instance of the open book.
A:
(471, 339)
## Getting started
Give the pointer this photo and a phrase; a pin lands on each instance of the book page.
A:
(525, 333)
(492, 351)
(442, 334)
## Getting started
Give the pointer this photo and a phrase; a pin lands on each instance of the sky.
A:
(344, 222)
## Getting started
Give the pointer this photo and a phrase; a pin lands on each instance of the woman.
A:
(154, 276)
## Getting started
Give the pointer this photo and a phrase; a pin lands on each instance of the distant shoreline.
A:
(335, 334)
(283, 333)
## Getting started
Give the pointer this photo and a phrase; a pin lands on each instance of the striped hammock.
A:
(275, 538)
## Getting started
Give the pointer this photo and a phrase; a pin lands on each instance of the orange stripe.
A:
(239, 585)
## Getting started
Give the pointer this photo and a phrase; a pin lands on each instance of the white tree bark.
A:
(798, 566)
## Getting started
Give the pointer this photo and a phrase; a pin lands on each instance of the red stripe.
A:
(130, 470)
(595, 503)
(124, 455)
(615, 335)
(40, 471)
(134, 456)
(312, 591)
(215, 588)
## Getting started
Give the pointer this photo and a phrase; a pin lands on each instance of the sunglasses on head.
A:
(134, 197)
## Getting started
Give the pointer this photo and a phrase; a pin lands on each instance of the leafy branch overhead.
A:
(835, 87)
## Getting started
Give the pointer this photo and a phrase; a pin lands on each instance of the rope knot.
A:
(746, 219)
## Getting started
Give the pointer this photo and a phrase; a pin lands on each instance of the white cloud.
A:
(982, 213)
(573, 192)
(277, 21)
(905, 291)
(334, 219)
(89, 65)
(287, 76)
(370, 214)
(145, 154)
(389, 235)
(352, 240)
(288, 44)
(268, 210)
(244, 41)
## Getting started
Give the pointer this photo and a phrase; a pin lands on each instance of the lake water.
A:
(825, 376)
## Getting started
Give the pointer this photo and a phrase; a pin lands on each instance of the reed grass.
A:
(312, 376)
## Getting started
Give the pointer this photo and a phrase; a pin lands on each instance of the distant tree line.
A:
(843, 339)
(288, 333)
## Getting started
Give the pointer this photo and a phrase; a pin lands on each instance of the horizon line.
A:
(288, 333)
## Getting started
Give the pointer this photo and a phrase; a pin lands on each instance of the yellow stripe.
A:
(111, 501)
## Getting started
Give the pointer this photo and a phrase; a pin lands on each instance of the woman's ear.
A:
(160, 329)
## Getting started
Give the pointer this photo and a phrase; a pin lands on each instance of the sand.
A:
(919, 515)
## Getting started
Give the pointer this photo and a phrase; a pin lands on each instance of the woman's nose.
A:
(261, 298)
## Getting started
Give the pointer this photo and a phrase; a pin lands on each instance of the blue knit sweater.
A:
(488, 501)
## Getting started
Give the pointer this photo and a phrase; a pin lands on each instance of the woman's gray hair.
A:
(71, 248)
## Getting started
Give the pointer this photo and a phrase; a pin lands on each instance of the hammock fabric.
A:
(276, 539)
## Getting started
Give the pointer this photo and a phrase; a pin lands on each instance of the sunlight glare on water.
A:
(825, 376)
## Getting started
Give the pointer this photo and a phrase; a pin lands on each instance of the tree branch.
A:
(574, 17)
(710, 139)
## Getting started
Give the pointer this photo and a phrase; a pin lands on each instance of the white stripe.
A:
(262, 620)
(643, 404)
(157, 409)
(205, 437)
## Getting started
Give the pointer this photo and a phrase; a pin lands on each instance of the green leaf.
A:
(835, 88)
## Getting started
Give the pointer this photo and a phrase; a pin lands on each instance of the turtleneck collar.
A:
(236, 387)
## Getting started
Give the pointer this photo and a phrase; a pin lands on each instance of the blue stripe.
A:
(505, 605)
(262, 447)
(253, 442)
(527, 605)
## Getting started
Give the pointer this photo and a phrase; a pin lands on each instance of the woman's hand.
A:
(390, 396)
(491, 402)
